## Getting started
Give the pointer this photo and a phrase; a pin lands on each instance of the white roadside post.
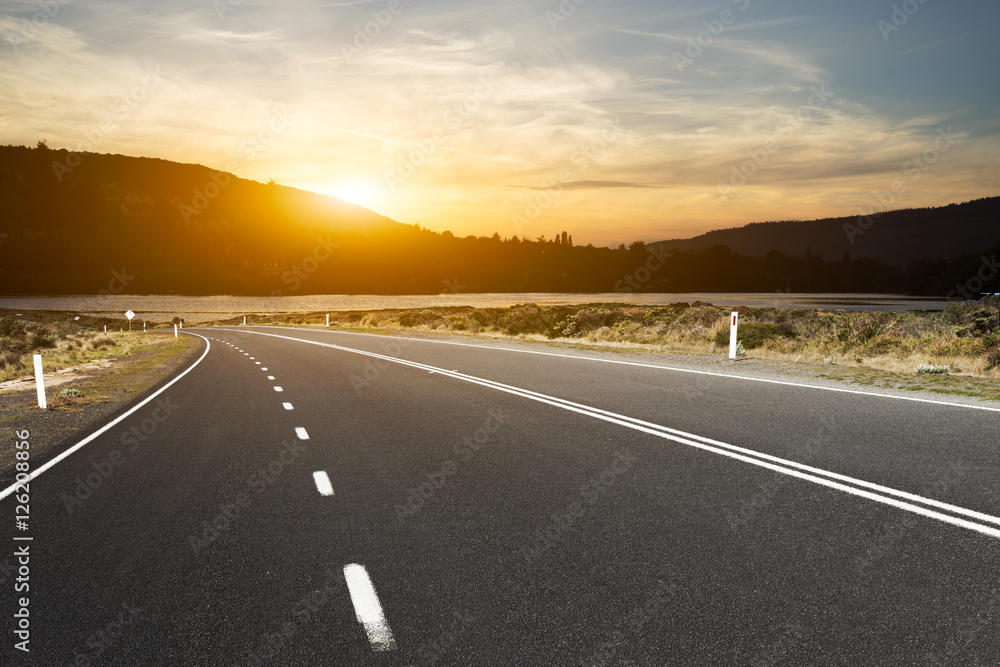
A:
(328, 319)
(105, 328)
(40, 382)
(143, 326)
(732, 336)
(244, 320)
(175, 331)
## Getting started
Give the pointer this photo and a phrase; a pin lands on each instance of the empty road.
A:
(314, 497)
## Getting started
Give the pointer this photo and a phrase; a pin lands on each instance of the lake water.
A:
(163, 308)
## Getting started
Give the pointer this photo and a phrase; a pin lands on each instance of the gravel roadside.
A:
(107, 391)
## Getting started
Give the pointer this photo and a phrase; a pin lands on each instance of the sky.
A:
(615, 120)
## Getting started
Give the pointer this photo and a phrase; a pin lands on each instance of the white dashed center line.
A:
(323, 484)
(287, 406)
(301, 432)
(278, 389)
(367, 608)
(270, 377)
(257, 362)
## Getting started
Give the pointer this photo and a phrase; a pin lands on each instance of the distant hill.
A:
(69, 220)
(896, 238)
(99, 224)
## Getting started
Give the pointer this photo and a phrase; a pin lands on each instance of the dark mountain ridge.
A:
(96, 224)
(896, 238)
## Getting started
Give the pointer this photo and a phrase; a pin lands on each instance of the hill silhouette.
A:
(95, 224)
(896, 238)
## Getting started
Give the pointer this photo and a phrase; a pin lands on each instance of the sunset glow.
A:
(616, 120)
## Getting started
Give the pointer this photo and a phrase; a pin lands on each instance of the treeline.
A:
(965, 277)
(116, 224)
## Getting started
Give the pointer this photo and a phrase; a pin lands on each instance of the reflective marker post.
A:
(732, 336)
(40, 382)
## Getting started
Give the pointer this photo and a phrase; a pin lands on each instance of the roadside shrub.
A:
(955, 347)
(979, 323)
(755, 334)
(71, 393)
(101, 341)
(415, 319)
(932, 369)
(522, 319)
(701, 314)
(10, 359)
(40, 338)
(959, 314)
(993, 358)
(884, 344)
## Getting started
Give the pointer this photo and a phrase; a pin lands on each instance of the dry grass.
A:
(964, 337)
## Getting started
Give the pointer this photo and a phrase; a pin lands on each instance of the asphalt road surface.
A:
(311, 497)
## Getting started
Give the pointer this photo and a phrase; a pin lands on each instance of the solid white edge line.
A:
(749, 456)
(665, 368)
(323, 484)
(48, 464)
(819, 471)
(301, 433)
(367, 608)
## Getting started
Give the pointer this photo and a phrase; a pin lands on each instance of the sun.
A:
(362, 193)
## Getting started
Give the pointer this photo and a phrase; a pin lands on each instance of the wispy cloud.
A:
(943, 41)
(410, 94)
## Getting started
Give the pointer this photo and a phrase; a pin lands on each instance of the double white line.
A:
(927, 507)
